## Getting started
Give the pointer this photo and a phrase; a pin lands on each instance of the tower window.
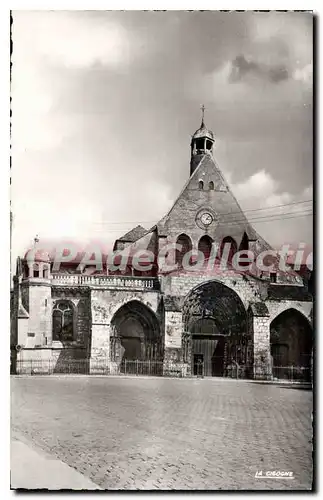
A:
(200, 144)
(211, 185)
(201, 185)
(208, 145)
(229, 245)
(205, 246)
(36, 270)
(186, 246)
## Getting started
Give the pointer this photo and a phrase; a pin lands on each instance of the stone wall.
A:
(173, 339)
(24, 292)
(277, 307)
(109, 301)
(40, 315)
(173, 329)
(182, 285)
(72, 359)
(83, 322)
(261, 344)
(96, 307)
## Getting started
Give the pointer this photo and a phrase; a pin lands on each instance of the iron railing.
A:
(97, 367)
(294, 373)
(155, 368)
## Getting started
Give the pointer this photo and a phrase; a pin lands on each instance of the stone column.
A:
(173, 341)
(261, 344)
(100, 348)
(143, 350)
(259, 332)
(187, 351)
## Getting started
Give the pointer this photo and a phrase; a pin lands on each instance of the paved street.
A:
(141, 433)
(34, 469)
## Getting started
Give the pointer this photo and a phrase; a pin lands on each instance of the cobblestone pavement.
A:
(150, 433)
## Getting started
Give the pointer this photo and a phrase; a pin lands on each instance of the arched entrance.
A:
(215, 331)
(135, 335)
(291, 342)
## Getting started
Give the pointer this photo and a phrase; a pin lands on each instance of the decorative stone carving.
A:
(62, 292)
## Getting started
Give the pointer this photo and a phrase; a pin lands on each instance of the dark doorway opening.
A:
(198, 364)
(216, 322)
(291, 341)
(217, 360)
(132, 347)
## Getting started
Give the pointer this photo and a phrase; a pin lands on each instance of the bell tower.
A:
(202, 143)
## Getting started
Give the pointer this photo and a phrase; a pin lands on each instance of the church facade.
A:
(199, 292)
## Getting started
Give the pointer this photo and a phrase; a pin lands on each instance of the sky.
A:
(104, 105)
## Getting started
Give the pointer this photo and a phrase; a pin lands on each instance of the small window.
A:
(201, 185)
(273, 277)
(211, 185)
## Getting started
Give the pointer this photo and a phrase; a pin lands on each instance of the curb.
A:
(34, 469)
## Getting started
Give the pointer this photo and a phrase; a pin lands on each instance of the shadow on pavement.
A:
(300, 387)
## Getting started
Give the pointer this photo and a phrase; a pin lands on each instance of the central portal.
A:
(215, 340)
(208, 346)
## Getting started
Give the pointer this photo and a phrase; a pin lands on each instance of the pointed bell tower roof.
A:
(203, 131)
(202, 143)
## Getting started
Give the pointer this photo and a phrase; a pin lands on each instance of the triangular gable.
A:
(229, 219)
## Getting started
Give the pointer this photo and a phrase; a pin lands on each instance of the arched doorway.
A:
(135, 335)
(291, 342)
(215, 330)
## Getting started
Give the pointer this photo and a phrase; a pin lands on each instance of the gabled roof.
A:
(231, 220)
(134, 235)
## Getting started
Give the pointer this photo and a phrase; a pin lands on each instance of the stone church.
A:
(180, 321)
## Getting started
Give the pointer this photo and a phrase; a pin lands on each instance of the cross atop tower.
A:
(202, 109)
